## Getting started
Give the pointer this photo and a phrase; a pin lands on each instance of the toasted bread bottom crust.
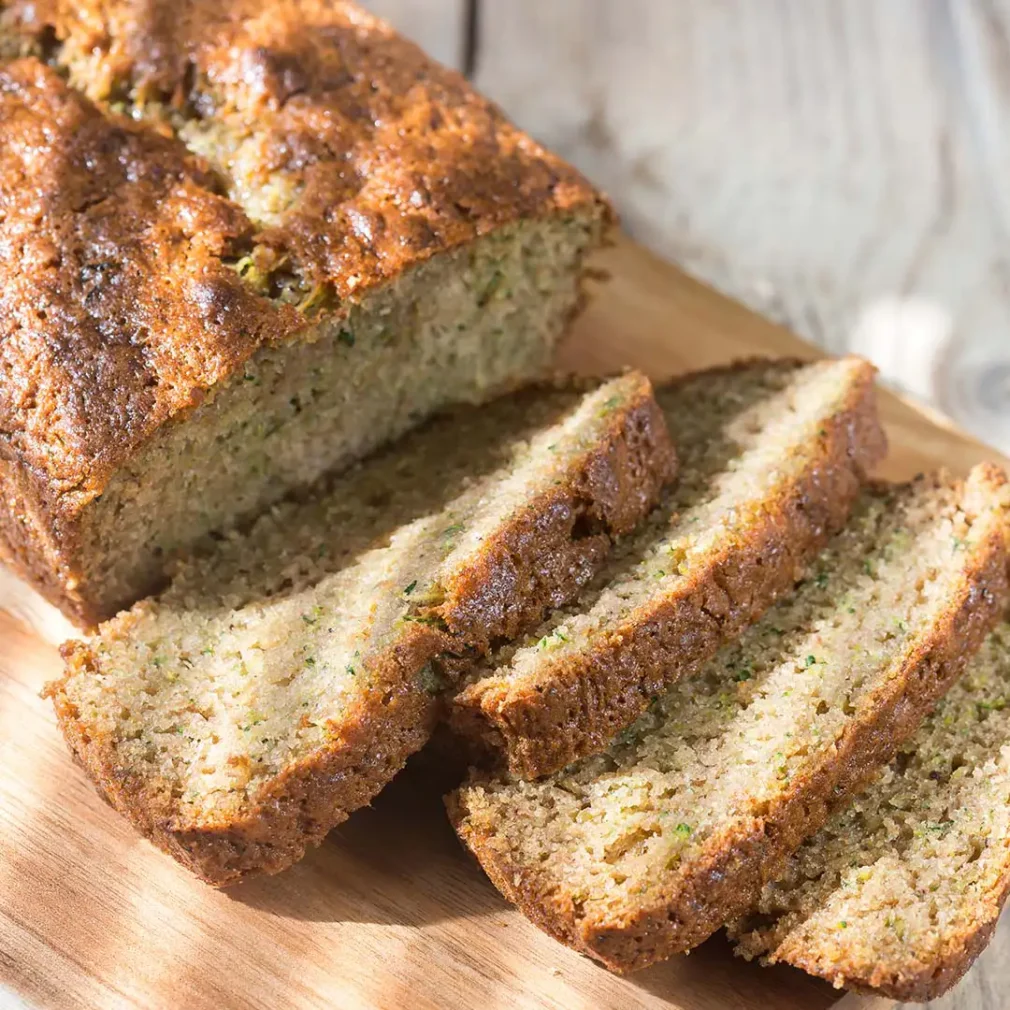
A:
(729, 881)
(595, 695)
(543, 554)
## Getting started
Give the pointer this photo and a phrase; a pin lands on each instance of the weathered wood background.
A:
(842, 166)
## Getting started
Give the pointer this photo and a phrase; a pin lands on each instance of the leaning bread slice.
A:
(280, 682)
(772, 454)
(646, 849)
(900, 892)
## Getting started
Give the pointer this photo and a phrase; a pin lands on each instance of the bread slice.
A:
(281, 681)
(244, 244)
(900, 891)
(645, 850)
(772, 455)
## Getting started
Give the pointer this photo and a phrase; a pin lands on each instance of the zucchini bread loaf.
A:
(283, 679)
(900, 892)
(645, 850)
(241, 244)
(772, 455)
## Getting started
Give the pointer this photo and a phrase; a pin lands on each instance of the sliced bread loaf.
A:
(645, 850)
(772, 454)
(281, 681)
(900, 892)
(245, 243)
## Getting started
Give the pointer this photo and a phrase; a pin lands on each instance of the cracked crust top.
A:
(116, 310)
(170, 171)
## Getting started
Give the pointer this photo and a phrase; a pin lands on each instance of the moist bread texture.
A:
(284, 678)
(900, 892)
(772, 455)
(243, 244)
(645, 850)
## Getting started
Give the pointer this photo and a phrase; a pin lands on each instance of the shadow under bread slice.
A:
(772, 454)
(280, 682)
(645, 850)
(900, 892)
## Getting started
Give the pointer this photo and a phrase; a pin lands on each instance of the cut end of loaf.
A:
(458, 329)
(646, 849)
(283, 678)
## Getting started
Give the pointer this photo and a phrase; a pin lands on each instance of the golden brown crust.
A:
(118, 311)
(729, 880)
(613, 484)
(393, 156)
(590, 699)
(553, 545)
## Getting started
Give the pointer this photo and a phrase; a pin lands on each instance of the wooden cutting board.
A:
(389, 912)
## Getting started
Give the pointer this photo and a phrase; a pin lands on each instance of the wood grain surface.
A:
(838, 165)
(389, 912)
(437, 26)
